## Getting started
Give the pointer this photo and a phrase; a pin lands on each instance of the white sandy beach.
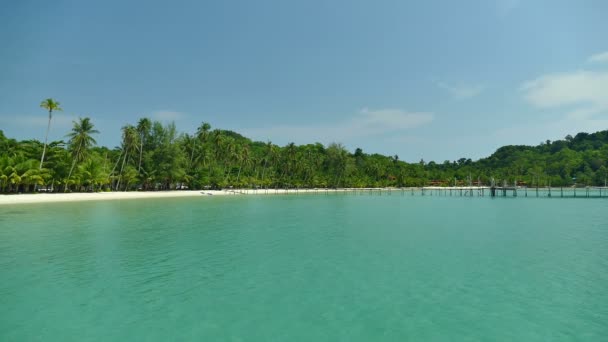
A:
(97, 196)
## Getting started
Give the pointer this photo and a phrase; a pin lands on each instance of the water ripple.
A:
(307, 268)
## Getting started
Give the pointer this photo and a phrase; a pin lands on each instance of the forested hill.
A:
(153, 156)
(582, 160)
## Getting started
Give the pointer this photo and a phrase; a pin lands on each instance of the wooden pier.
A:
(459, 191)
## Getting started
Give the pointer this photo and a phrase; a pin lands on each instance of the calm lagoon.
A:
(338, 267)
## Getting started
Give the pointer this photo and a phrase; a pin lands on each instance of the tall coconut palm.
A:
(80, 141)
(266, 157)
(129, 144)
(202, 132)
(245, 159)
(230, 155)
(289, 161)
(50, 105)
(218, 140)
(143, 128)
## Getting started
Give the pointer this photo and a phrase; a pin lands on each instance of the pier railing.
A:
(459, 191)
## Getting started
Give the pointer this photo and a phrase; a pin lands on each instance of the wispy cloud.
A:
(462, 91)
(365, 123)
(582, 95)
(168, 115)
(583, 88)
(599, 58)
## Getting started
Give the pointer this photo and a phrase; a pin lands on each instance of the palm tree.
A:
(289, 160)
(21, 171)
(267, 156)
(245, 159)
(129, 143)
(218, 140)
(202, 132)
(93, 174)
(81, 138)
(143, 128)
(50, 105)
(230, 155)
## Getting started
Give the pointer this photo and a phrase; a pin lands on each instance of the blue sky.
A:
(422, 79)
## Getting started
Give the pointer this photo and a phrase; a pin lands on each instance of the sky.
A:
(432, 80)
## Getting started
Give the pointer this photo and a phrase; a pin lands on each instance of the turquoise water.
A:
(306, 268)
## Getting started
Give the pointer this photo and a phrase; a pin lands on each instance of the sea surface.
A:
(337, 267)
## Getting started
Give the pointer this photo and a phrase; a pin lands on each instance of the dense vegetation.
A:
(153, 156)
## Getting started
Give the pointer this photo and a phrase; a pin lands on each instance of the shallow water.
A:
(338, 267)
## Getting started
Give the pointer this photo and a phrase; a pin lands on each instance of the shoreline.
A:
(104, 196)
(37, 198)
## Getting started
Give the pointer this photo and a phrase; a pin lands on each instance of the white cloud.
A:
(167, 115)
(581, 95)
(586, 90)
(462, 91)
(599, 58)
(365, 123)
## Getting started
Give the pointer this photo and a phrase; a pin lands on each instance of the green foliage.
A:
(153, 156)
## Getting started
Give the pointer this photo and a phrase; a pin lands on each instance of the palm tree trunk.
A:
(115, 166)
(226, 174)
(65, 189)
(121, 168)
(141, 150)
(239, 174)
(72, 168)
(264, 170)
(46, 137)
(192, 153)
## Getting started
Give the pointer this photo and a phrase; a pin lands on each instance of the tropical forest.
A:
(156, 156)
